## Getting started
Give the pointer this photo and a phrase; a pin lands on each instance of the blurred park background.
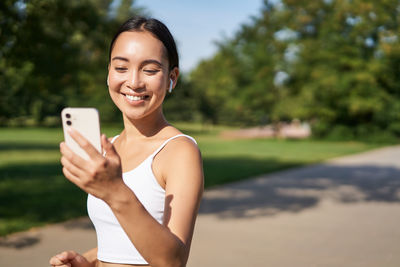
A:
(333, 65)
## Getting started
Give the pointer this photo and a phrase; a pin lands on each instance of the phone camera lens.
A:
(68, 115)
(69, 123)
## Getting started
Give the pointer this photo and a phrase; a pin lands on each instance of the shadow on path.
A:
(81, 223)
(302, 188)
(19, 242)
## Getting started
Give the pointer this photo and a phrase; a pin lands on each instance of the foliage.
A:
(54, 54)
(334, 63)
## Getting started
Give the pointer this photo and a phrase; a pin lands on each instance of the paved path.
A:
(342, 213)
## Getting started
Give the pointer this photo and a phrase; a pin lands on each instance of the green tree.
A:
(340, 64)
(334, 63)
(55, 53)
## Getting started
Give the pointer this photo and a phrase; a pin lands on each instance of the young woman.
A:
(145, 190)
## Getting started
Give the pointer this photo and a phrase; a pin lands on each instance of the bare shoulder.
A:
(180, 159)
(182, 146)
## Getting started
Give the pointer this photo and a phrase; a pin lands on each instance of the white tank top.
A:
(113, 244)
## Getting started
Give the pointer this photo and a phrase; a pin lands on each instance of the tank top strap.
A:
(113, 139)
(169, 139)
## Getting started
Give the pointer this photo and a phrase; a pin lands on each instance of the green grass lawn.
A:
(33, 191)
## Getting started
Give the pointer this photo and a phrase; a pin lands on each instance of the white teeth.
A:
(134, 98)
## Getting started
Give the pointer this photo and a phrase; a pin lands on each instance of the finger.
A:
(68, 258)
(63, 258)
(75, 159)
(72, 178)
(73, 169)
(55, 261)
(67, 264)
(84, 143)
(62, 264)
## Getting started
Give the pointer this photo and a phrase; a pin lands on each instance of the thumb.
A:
(108, 147)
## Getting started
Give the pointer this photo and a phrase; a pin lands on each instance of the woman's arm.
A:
(168, 244)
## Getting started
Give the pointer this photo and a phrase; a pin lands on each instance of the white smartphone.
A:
(86, 122)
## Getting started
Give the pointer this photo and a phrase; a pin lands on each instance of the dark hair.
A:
(158, 29)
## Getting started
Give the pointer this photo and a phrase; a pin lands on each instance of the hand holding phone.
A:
(86, 122)
(97, 175)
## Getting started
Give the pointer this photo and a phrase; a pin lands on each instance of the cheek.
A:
(115, 79)
(156, 83)
(114, 83)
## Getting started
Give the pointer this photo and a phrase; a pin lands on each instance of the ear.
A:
(173, 76)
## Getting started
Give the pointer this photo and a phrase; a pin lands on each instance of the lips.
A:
(135, 97)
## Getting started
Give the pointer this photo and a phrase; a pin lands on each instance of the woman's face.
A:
(138, 74)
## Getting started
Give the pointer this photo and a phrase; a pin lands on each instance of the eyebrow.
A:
(120, 58)
(152, 61)
(145, 62)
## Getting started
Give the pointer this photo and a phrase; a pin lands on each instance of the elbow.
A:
(176, 263)
(178, 259)
(171, 263)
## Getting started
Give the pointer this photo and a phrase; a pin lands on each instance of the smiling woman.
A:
(144, 192)
(143, 68)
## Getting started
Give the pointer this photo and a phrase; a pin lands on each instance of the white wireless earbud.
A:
(171, 82)
(107, 81)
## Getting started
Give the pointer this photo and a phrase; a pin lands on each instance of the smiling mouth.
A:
(136, 98)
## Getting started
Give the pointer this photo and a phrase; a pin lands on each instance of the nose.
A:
(134, 82)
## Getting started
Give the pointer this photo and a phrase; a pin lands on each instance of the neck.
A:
(144, 127)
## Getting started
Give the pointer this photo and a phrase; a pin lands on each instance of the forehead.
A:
(139, 45)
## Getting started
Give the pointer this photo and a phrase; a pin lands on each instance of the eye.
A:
(121, 69)
(150, 71)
